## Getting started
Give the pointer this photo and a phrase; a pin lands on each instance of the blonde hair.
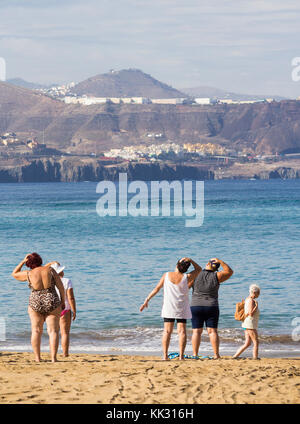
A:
(254, 288)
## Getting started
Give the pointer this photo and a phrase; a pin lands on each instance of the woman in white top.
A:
(250, 324)
(70, 305)
(176, 302)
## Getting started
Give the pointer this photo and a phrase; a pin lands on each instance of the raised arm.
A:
(225, 273)
(60, 287)
(153, 293)
(194, 274)
(17, 273)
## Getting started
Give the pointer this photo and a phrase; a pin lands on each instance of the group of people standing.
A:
(204, 306)
(51, 300)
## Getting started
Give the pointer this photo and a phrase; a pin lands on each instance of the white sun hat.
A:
(57, 268)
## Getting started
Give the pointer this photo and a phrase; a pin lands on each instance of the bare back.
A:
(40, 278)
(175, 277)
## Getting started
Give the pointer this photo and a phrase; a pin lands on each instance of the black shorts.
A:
(183, 321)
(205, 314)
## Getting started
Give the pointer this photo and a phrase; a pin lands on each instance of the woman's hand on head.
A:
(185, 259)
(215, 260)
(25, 259)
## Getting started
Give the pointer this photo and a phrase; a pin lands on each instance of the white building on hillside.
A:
(204, 101)
(177, 101)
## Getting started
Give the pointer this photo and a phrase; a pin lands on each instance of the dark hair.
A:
(214, 265)
(183, 266)
(34, 260)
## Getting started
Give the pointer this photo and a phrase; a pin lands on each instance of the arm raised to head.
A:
(226, 273)
(17, 273)
(193, 274)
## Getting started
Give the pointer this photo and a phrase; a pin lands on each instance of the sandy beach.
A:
(113, 379)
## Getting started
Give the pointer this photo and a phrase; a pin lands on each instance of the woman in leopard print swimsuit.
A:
(44, 303)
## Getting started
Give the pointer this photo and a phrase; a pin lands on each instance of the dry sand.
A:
(109, 379)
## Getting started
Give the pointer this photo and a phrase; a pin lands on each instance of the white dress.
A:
(176, 299)
(250, 323)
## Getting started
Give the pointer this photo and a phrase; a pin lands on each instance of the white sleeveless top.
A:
(176, 299)
(250, 322)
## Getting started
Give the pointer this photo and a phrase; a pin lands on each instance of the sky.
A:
(244, 46)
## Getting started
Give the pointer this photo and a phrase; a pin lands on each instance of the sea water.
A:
(114, 262)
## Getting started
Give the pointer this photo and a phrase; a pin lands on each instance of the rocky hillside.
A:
(126, 83)
(261, 127)
(20, 82)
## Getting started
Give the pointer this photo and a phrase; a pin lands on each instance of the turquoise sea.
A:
(114, 262)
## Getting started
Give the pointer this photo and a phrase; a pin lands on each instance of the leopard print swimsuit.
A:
(43, 301)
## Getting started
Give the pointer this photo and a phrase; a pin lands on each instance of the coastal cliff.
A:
(75, 170)
(50, 170)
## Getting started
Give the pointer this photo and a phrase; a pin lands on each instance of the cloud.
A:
(181, 42)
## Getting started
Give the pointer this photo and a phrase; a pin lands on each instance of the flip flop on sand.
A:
(191, 357)
(205, 357)
(173, 355)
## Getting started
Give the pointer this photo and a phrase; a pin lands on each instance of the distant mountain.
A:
(216, 93)
(259, 127)
(125, 83)
(19, 82)
(19, 99)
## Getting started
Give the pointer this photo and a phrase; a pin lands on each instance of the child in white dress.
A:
(250, 324)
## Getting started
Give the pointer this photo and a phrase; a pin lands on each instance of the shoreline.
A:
(127, 379)
(147, 341)
(116, 352)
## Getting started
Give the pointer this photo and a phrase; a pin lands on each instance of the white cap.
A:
(57, 268)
